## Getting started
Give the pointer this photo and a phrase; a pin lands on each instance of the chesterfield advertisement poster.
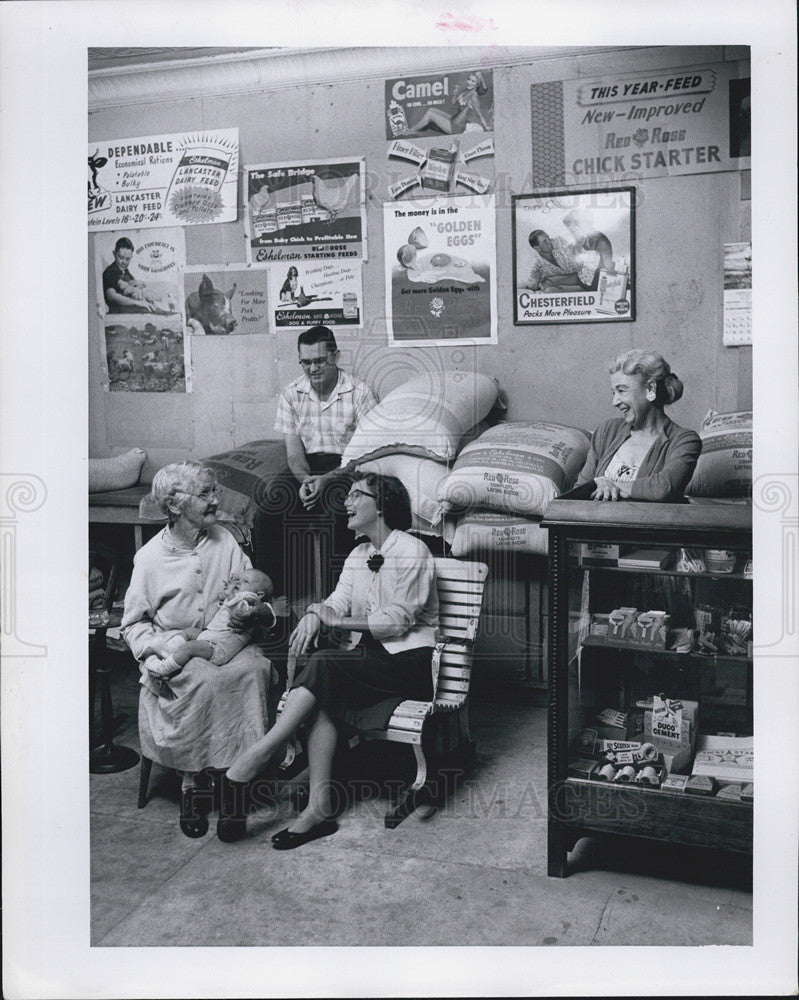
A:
(441, 271)
(574, 257)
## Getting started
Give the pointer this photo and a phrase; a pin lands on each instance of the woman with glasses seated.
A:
(386, 599)
(203, 716)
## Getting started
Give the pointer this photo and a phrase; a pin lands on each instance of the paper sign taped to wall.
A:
(179, 179)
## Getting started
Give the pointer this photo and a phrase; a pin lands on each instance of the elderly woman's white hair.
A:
(179, 478)
(651, 367)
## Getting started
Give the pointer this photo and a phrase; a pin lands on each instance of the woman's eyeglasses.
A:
(206, 494)
(360, 493)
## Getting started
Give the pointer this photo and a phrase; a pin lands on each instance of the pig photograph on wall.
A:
(225, 301)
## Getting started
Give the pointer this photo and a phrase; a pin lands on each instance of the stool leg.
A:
(108, 758)
(144, 780)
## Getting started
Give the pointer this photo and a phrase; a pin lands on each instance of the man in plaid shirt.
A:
(317, 414)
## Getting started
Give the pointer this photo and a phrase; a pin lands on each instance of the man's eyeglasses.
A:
(308, 363)
(360, 493)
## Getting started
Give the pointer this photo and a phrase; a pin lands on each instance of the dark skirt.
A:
(361, 687)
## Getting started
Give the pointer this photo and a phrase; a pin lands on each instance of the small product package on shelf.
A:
(599, 625)
(736, 631)
(613, 724)
(681, 640)
(598, 554)
(674, 783)
(670, 724)
(650, 629)
(690, 561)
(719, 560)
(620, 622)
(700, 784)
(730, 793)
(584, 743)
(582, 767)
(708, 628)
(646, 559)
(620, 751)
(727, 759)
(650, 774)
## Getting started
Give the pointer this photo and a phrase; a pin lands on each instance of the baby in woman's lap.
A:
(218, 642)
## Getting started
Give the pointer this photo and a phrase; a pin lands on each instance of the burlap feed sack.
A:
(724, 468)
(487, 531)
(516, 468)
(427, 416)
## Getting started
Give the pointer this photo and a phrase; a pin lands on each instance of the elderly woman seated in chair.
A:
(202, 716)
(387, 596)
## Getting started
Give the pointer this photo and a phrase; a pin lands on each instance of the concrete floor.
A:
(470, 873)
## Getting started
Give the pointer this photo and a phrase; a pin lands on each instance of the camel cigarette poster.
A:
(574, 256)
(225, 301)
(441, 271)
(444, 104)
(309, 293)
(306, 210)
(430, 167)
(179, 179)
(140, 307)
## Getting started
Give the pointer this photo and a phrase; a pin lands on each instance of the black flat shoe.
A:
(285, 840)
(232, 822)
(193, 820)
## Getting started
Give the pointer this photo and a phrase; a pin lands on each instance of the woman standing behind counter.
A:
(641, 455)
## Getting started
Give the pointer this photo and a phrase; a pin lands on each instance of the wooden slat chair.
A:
(460, 588)
(425, 725)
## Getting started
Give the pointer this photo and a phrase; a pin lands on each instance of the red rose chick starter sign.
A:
(182, 179)
(688, 120)
(441, 271)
